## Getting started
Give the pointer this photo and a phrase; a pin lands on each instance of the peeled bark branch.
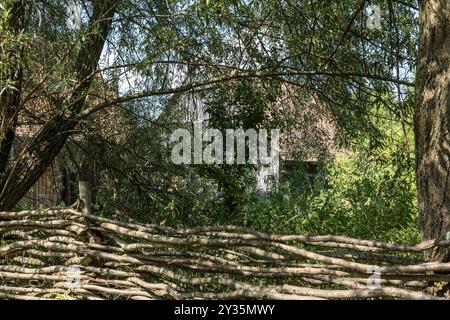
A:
(144, 261)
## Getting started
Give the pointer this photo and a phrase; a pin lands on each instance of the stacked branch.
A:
(51, 254)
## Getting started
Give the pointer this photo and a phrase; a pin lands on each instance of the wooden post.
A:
(85, 196)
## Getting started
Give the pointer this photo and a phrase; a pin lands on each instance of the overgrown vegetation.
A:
(364, 193)
(133, 61)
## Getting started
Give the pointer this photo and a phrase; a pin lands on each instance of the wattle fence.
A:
(66, 254)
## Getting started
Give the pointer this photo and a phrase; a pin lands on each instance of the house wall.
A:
(46, 191)
(56, 185)
(308, 136)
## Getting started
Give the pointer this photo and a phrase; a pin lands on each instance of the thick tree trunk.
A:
(432, 122)
(38, 153)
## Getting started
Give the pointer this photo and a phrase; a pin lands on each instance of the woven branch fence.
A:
(66, 254)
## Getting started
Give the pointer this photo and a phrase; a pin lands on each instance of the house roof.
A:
(309, 131)
(37, 111)
(307, 128)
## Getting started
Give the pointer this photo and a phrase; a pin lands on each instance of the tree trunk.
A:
(432, 122)
(38, 153)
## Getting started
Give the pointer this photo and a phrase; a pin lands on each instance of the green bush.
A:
(352, 196)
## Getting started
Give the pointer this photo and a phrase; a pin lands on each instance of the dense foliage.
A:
(232, 54)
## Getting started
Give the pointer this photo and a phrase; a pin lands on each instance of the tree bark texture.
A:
(432, 122)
